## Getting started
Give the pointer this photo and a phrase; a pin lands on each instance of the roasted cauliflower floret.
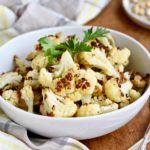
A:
(95, 109)
(32, 79)
(37, 97)
(86, 99)
(126, 87)
(100, 77)
(134, 94)
(11, 96)
(112, 90)
(28, 96)
(119, 67)
(120, 57)
(66, 63)
(98, 59)
(39, 62)
(139, 82)
(111, 40)
(108, 108)
(53, 105)
(88, 110)
(12, 78)
(75, 85)
(98, 89)
(55, 38)
(106, 105)
(75, 96)
(20, 66)
(45, 78)
(32, 55)
(65, 85)
(124, 103)
(85, 81)
(115, 92)
(105, 102)
(107, 41)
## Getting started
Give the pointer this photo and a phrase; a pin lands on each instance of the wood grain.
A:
(114, 17)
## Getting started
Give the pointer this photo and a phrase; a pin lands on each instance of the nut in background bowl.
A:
(79, 127)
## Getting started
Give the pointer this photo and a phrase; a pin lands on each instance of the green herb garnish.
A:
(73, 45)
(90, 34)
(49, 48)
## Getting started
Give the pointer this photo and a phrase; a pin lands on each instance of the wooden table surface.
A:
(114, 17)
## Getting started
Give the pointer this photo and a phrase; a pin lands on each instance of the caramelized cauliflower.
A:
(53, 105)
(139, 82)
(126, 87)
(31, 56)
(11, 96)
(134, 94)
(66, 63)
(88, 110)
(107, 41)
(95, 109)
(75, 96)
(112, 90)
(64, 85)
(120, 57)
(105, 102)
(85, 82)
(98, 59)
(32, 79)
(39, 62)
(12, 78)
(21, 68)
(108, 108)
(28, 96)
(45, 78)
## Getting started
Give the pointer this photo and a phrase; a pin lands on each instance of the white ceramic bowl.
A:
(80, 127)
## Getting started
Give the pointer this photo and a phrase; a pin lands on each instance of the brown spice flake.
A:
(45, 96)
(108, 77)
(51, 114)
(38, 47)
(50, 68)
(100, 82)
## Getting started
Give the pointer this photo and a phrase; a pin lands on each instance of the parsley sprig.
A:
(90, 34)
(50, 48)
(73, 45)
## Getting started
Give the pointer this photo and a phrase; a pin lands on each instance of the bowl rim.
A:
(144, 95)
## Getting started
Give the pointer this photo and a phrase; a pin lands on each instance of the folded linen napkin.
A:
(27, 15)
(22, 16)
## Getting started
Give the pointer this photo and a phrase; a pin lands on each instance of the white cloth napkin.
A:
(19, 16)
(22, 16)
